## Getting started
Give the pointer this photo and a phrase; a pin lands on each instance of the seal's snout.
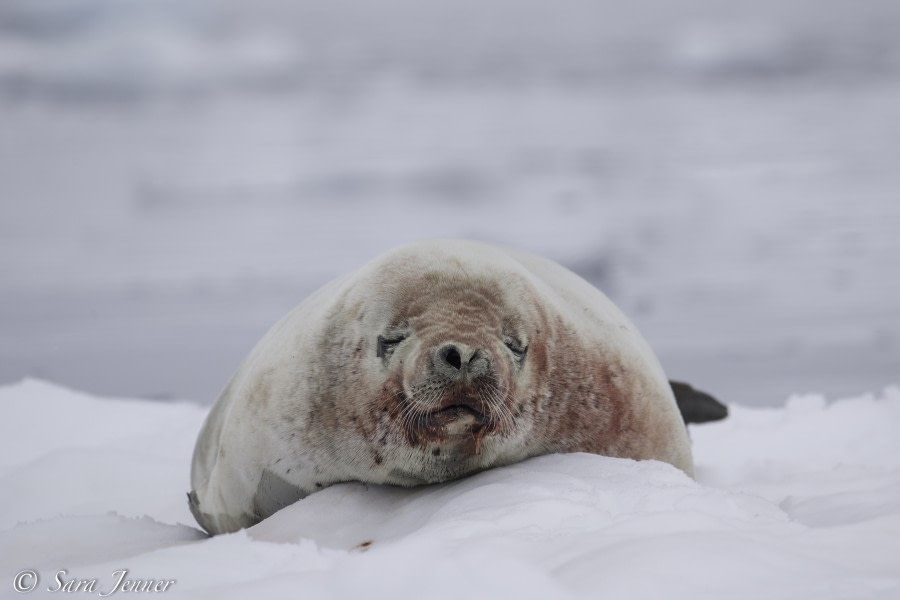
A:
(457, 361)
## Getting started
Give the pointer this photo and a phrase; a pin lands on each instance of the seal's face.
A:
(458, 358)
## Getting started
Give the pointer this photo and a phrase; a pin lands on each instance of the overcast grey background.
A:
(176, 175)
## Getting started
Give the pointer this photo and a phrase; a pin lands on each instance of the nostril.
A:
(451, 356)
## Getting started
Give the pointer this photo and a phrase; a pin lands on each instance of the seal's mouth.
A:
(459, 411)
(461, 424)
(460, 406)
(458, 416)
(457, 421)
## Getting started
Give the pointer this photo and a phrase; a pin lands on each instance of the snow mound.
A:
(797, 502)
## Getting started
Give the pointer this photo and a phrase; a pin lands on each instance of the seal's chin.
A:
(456, 430)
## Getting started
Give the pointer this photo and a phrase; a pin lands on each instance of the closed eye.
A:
(387, 344)
(517, 348)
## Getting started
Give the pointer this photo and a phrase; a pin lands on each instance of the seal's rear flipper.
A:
(697, 406)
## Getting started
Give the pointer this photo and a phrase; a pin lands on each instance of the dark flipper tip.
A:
(697, 406)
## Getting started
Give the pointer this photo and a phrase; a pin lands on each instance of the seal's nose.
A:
(456, 361)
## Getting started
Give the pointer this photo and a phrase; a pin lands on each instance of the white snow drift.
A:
(797, 502)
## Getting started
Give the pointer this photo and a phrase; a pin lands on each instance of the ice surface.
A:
(801, 501)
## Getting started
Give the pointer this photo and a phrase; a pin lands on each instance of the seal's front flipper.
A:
(697, 406)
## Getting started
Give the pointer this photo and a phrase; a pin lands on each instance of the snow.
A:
(796, 501)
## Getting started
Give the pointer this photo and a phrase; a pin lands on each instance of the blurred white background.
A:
(175, 175)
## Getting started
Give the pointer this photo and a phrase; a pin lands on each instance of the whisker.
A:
(497, 396)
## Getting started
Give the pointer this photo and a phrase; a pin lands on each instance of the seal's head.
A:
(451, 366)
(457, 357)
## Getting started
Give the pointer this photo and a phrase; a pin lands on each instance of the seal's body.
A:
(434, 361)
